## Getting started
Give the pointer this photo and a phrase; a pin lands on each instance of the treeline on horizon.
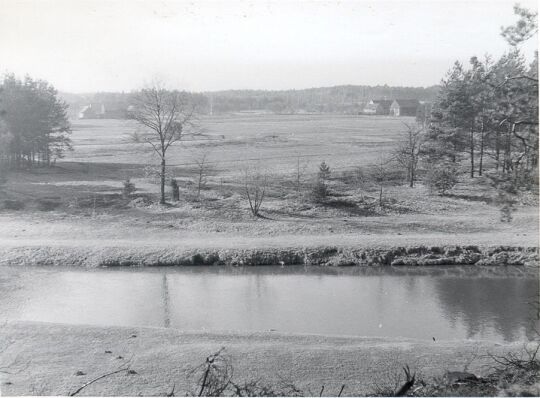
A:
(345, 99)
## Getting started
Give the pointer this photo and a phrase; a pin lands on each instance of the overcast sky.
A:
(113, 45)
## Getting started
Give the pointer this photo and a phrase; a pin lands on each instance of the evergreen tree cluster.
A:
(486, 114)
(34, 127)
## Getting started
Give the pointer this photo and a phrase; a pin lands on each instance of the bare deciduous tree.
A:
(299, 173)
(407, 153)
(167, 116)
(255, 184)
(380, 176)
(203, 167)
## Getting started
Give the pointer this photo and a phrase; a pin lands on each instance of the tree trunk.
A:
(297, 175)
(497, 149)
(471, 143)
(480, 165)
(507, 166)
(162, 177)
(46, 151)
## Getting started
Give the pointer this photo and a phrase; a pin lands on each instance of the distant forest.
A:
(339, 99)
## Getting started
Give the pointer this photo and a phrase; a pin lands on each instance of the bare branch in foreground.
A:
(96, 379)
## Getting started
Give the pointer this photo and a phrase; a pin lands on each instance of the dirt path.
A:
(62, 230)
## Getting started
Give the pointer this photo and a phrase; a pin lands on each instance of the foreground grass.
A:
(47, 359)
(63, 204)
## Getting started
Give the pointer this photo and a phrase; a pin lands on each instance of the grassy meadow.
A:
(82, 195)
(274, 142)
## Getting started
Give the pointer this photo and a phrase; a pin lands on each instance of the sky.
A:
(123, 45)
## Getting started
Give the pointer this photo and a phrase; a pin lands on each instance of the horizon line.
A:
(250, 89)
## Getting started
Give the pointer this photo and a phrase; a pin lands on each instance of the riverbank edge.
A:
(55, 359)
(148, 256)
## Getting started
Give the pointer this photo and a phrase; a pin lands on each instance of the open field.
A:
(80, 199)
(275, 142)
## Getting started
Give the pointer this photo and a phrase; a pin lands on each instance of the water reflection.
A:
(507, 305)
(445, 303)
(166, 302)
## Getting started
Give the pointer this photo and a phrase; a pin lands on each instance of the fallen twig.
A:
(96, 379)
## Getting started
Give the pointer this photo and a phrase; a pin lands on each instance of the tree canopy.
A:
(34, 122)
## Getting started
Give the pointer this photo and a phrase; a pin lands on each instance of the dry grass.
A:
(163, 358)
(84, 199)
(231, 141)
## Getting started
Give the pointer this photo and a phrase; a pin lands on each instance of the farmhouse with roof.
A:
(100, 110)
(404, 107)
(92, 111)
(378, 107)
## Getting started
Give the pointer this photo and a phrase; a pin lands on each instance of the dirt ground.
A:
(163, 358)
(80, 201)
(90, 217)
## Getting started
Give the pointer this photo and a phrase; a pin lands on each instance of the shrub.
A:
(355, 177)
(3, 176)
(48, 204)
(175, 188)
(128, 188)
(442, 178)
(319, 192)
(13, 205)
(255, 185)
(359, 177)
(324, 171)
(506, 197)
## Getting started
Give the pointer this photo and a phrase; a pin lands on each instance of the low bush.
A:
(324, 171)
(175, 188)
(319, 191)
(507, 192)
(13, 205)
(355, 177)
(3, 178)
(441, 178)
(128, 188)
(48, 204)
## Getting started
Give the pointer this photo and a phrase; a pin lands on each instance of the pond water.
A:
(440, 303)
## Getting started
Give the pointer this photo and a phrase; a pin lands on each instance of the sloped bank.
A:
(55, 359)
(141, 256)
